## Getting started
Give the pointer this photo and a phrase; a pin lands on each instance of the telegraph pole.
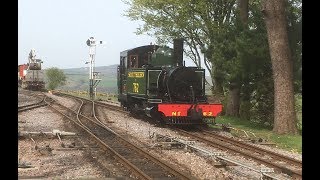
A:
(93, 76)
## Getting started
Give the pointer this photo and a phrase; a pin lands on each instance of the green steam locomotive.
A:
(154, 80)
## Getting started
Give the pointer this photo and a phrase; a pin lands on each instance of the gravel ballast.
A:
(71, 164)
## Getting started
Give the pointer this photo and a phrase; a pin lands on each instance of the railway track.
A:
(281, 163)
(109, 106)
(33, 105)
(141, 163)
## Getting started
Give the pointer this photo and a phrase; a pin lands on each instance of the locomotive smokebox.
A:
(178, 51)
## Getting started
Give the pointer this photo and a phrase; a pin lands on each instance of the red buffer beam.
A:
(181, 110)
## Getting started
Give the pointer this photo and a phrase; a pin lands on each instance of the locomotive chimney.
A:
(178, 51)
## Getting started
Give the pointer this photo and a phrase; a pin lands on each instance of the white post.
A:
(91, 42)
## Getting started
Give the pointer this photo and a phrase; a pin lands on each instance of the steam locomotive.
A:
(154, 80)
(30, 75)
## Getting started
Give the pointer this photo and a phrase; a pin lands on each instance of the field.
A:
(78, 79)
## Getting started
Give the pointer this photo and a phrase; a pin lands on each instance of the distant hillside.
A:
(105, 70)
(78, 78)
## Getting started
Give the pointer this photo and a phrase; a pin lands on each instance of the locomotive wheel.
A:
(160, 120)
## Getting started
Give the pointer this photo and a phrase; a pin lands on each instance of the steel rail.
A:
(225, 146)
(32, 106)
(256, 149)
(37, 105)
(109, 106)
(141, 151)
(119, 157)
(294, 173)
(164, 165)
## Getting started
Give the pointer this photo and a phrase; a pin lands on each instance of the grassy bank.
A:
(99, 96)
(288, 142)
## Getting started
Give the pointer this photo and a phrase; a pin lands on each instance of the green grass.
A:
(81, 82)
(108, 82)
(109, 97)
(100, 96)
(288, 142)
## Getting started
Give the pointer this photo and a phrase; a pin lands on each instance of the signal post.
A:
(93, 76)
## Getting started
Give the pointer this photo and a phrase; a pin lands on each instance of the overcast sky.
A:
(58, 31)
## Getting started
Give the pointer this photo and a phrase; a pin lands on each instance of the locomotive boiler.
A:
(154, 80)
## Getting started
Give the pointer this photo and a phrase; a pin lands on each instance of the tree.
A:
(56, 77)
(251, 71)
(208, 26)
(282, 66)
(246, 64)
(212, 27)
(274, 13)
(203, 24)
(294, 18)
